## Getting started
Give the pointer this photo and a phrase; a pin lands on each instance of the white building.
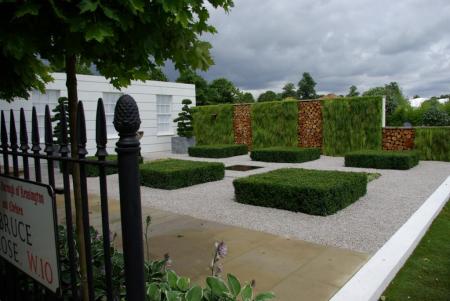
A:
(416, 102)
(159, 103)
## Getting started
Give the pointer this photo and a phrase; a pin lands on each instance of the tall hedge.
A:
(275, 124)
(433, 143)
(350, 124)
(213, 124)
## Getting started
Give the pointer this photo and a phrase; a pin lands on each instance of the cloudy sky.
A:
(262, 44)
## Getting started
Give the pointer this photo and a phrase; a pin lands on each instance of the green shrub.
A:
(218, 151)
(213, 124)
(275, 124)
(173, 174)
(351, 124)
(435, 116)
(314, 192)
(382, 159)
(433, 143)
(285, 154)
(92, 170)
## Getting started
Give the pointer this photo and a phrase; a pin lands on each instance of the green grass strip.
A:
(433, 143)
(275, 124)
(213, 124)
(426, 274)
(351, 124)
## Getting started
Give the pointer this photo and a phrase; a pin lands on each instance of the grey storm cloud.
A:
(262, 44)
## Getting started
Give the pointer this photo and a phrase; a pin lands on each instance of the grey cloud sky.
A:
(262, 44)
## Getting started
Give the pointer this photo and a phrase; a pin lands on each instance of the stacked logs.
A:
(310, 123)
(396, 139)
(242, 123)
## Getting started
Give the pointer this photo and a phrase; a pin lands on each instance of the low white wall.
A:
(90, 88)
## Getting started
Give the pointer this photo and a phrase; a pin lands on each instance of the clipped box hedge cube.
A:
(173, 174)
(285, 154)
(316, 192)
(382, 159)
(93, 171)
(218, 150)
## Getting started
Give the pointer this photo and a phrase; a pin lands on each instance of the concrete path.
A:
(292, 269)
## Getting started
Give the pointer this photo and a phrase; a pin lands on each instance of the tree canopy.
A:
(353, 91)
(268, 96)
(125, 40)
(221, 90)
(394, 97)
(201, 85)
(306, 87)
(289, 91)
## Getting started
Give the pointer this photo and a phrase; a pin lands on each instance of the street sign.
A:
(28, 229)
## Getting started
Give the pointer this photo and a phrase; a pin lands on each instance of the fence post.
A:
(127, 122)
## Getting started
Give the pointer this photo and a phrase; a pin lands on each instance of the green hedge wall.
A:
(433, 143)
(352, 123)
(275, 124)
(213, 124)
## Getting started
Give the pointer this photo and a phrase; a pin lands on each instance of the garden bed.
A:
(173, 174)
(382, 159)
(313, 192)
(285, 154)
(218, 151)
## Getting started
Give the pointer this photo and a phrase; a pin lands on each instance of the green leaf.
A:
(88, 6)
(110, 13)
(28, 9)
(247, 293)
(194, 294)
(137, 5)
(183, 283)
(265, 296)
(234, 285)
(98, 32)
(153, 292)
(173, 296)
(217, 285)
(172, 278)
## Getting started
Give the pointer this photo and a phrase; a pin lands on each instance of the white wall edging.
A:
(373, 278)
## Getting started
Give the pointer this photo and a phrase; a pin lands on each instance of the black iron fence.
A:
(16, 285)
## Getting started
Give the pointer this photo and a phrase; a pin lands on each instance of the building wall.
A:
(90, 88)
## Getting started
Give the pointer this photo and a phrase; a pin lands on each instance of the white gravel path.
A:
(363, 226)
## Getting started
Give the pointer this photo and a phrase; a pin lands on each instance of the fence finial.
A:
(4, 134)
(48, 131)
(35, 132)
(100, 130)
(23, 132)
(63, 139)
(81, 130)
(12, 131)
(126, 116)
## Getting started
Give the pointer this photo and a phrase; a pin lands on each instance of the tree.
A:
(184, 120)
(353, 91)
(268, 96)
(125, 40)
(306, 87)
(158, 74)
(246, 97)
(62, 101)
(201, 85)
(222, 90)
(289, 91)
(394, 97)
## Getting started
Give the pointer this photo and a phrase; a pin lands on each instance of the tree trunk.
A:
(72, 95)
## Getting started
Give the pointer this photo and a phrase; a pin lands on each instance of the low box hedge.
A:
(173, 174)
(93, 171)
(285, 154)
(315, 192)
(382, 159)
(218, 150)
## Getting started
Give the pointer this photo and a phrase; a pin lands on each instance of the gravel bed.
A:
(363, 226)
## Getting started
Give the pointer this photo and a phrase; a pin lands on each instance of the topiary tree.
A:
(184, 120)
(62, 101)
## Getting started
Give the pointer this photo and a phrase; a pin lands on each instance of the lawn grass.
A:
(426, 274)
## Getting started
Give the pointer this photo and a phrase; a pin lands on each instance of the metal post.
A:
(127, 122)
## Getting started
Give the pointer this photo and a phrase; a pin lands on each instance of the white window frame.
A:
(164, 111)
(109, 103)
(39, 101)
